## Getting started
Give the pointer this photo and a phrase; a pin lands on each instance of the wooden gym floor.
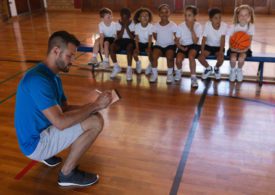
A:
(159, 139)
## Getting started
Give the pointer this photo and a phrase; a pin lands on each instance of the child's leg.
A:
(192, 63)
(130, 50)
(241, 60)
(239, 70)
(106, 49)
(192, 55)
(135, 55)
(220, 59)
(113, 50)
(233, 59)
(156, 54)
(96, 47)
(202, 58)
(179, 60)
(170, 53)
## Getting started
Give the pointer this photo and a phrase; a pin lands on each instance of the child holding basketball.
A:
(107, 30)
(143, 36)
(188, 35)
(164, 34)
(125, 41)
(213, 42)
(243, 22)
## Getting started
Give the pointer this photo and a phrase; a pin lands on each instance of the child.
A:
(213, 42)
(243, 21)
(164, 34)
(144, 36)
(124, 41)
(107, 30)
(188, 35)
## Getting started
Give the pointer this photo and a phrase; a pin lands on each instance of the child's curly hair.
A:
(139, 11)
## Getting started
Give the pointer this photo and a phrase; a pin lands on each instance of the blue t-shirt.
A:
(39, 89)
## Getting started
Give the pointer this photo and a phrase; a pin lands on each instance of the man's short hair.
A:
(61, 39)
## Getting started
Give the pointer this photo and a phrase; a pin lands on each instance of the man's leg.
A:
(92, 126)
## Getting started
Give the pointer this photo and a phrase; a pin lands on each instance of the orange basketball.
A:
(240, 40)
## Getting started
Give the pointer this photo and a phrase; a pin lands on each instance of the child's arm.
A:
(130, 33)
(155, 36)
(203, 43)
(177, 41)
(137, 41)
(222, 43)
(150, 40)
(121, 31)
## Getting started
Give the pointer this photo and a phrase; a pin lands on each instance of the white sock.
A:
(155, 70)
(208, 68)
(179, 70)
(138, 62)
(129, 68)
(106, 59)
(170, 71)
(94, 55)
(193, 76)
(116, 64)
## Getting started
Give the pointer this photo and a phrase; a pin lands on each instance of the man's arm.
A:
(64, 119)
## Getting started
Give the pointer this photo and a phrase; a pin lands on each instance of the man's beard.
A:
(61, 65)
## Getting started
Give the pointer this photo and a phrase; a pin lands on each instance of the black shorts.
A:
(109, 39)
(123, 43)
(248, 53)
(143, 46)
(190, 47)
(165, 49)
(213, 50)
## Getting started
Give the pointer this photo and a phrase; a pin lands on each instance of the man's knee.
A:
(94, 123)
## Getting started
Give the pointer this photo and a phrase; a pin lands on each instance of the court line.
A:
(13, 94)
(25, 170)
(246, 99)
(184, 157)
(15, 75)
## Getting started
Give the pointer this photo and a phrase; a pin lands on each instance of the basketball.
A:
(240, 40)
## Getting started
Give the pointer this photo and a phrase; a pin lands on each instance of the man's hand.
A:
(103, 100)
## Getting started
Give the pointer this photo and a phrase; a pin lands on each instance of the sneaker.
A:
(239, 73)
(53, 161)
(170, 78)
(93, 61)
(77, 178)
(148, 70)
(178, 75)
(217, 73)
(232, 75)
(105, 65)
(129, 74)
(207, 72)
(153, 77)
(138, 67)
(115, 71)
(194, 82)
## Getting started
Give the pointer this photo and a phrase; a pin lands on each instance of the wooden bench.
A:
(261, 58)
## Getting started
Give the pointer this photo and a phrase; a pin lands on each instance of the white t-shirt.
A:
(143, 32)
(213, 36)
(165, 34)
(249, 29)
(107, 31)
(125, 34)
(185, 34)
